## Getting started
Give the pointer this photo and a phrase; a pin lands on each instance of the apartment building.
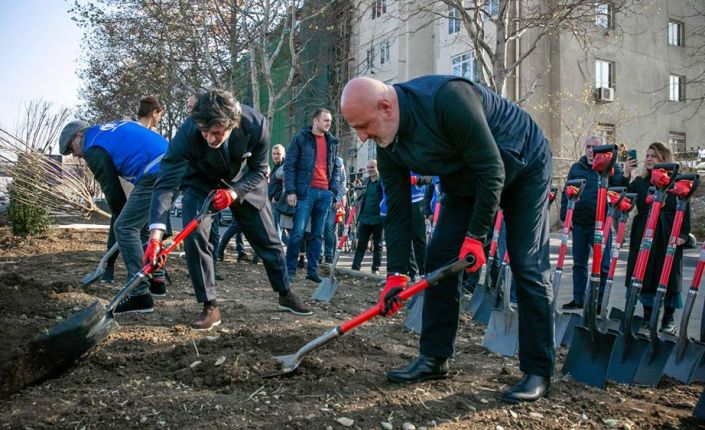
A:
(625, 76)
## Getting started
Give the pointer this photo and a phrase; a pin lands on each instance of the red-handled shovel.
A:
(291, 362)
(478, 295)
(327, 288)
(58, 347)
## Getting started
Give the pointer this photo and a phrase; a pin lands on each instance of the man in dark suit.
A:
(221, 141)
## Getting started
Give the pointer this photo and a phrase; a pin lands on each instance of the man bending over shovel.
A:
(487, 152)
(128, 150)
(222, 145)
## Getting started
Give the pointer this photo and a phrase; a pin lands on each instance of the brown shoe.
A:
(292, 303)
(209, 318)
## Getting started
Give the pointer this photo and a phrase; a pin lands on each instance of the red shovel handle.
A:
(430, 279)
(699, 268)
(344, 236)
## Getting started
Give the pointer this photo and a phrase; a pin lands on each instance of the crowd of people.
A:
(449, 149)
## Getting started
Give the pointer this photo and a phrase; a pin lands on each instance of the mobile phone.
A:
(632, 154)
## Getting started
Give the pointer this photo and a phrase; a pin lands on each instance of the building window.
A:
(464, 65)
(606, 130)
(492, 7)
(384, 52)
(379, 7)
(676, 141)
(370, 59)
(371, 150)
(453, 20)
(676, 88)
(603, 15)
(675, 33)
(604, 74)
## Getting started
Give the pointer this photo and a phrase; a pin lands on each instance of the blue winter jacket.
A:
(301, 160)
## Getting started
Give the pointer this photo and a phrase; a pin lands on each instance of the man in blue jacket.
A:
(488, 153)
(584, 222)
(310, 174)
(128, 150)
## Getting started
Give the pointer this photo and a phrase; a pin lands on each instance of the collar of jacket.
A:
(406, 121)
(309, 131)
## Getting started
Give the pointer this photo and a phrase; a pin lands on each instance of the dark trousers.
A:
(583, 237)
(417, 263)
(258, 228)
(526, 217)
(364, 231)
(232, 230)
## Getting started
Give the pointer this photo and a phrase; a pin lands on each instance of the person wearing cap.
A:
(221, 146)
(488, 153)
(128, 150)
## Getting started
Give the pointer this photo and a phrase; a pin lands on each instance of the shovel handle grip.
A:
(430, 279)
(699, 268)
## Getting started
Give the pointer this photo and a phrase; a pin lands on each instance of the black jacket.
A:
(276, 185)
(191, 163)
(659, 245)
(585, 207)
(301, 160)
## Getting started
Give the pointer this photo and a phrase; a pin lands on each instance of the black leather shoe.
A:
(422, 368)
(529, 389)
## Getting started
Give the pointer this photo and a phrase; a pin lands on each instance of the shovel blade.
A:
(92, 277)
(683, 368)
(326, 289)
(589, 356)
(476, 299)
(55, 350)
(652, 365)
(289, 363)
(617, 318)
(565, 327)
(414, 319)
(484, 310)
(502, 334)
(699, 411)
(626, 357)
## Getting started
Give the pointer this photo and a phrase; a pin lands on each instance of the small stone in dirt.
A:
(345, 422)
(220, 361)
(535, 415)
(143, 420)
(499, 428)
(351, 370)
(484, 401)
(195, 363)
(584, 417)
(626, 426)
(386, 426)
(611, 422)
(513, 414)
(408, 426)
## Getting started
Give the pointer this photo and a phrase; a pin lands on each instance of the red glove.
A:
(222, 199)
(389, 301)
(414, 179)
(474, 247)
(151, 255)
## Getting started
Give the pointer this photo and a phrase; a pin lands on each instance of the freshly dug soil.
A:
(155, 372)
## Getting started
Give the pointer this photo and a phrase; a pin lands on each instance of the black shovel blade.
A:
(326, 289)
(414, 319)
(484, 310)
(92, 277)
(617, 315)
(565, 327)
(626, 358)
(654, 361)
(502, 334)
(682, 368)
(58, 347)
(475, 300)
(589, 356)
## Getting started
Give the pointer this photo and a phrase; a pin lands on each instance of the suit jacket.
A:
(190, 163)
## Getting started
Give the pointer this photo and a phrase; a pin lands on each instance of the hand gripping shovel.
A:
(414, 319)
(629, 349)
(291, 362)
(573, 190)
(688, 353)
(590, 349)
(102, 265)
(654, 361)
(502, 334)
(625, 205)
(481, 308)
(327, 288)
(54, 350)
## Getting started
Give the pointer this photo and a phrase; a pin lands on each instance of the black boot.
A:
(529, 389)
(421, 369)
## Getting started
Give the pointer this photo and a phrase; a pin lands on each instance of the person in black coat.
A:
(657, 153)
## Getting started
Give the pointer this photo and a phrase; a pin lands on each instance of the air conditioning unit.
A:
(604, 94)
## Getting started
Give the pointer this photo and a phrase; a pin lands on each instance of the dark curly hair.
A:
(216, 107)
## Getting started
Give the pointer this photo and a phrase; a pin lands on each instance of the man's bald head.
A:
(371, 107)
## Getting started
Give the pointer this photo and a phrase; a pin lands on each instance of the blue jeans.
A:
(314, 207)
(330, 236)
(582, 246)
(128, 226)
(232, 230)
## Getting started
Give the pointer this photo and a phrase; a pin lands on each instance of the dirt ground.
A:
(155, 372)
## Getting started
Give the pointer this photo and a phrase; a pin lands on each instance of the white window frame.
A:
(458, 62)
(384, 52)
(454, 23)
(604, 73)
(677, 142)
(676, 88)
(379, 8)
(675, 33)
(604, 16)
(492, 8)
